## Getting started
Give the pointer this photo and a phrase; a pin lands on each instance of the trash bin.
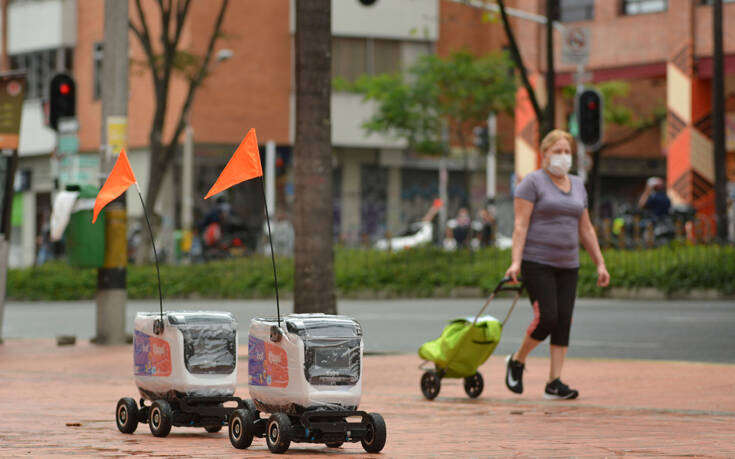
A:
(85, 242)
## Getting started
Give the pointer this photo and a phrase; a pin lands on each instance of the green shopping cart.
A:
(463, 346)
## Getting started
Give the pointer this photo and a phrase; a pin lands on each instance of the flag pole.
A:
(273, 257)
(155, 255)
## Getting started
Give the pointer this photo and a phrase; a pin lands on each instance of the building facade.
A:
(662, 49)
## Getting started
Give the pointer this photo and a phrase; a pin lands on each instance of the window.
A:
(576, 10)
(349, 58)
(631, 7)
(40, 66)
(352, 57)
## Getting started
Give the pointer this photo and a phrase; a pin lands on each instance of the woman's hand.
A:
(513, 271)
(603, 277)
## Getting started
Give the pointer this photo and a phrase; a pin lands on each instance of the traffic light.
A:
(283, 157)
(481, 138)
(62, 99)
(589, 117)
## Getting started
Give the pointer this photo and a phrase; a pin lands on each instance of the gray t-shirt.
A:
(553, 232)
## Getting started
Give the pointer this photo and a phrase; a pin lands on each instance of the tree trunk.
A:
(313, 213)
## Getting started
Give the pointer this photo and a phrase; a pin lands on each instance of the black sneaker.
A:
(557, 390)
(514, 374)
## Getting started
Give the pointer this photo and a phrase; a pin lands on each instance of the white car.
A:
(418, 233)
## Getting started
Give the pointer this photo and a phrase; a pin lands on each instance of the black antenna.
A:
(159, 329)
(273, 257)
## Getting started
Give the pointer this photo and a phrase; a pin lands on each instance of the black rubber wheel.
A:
(126, 415)
(474, 385)
(334, 444)
(374, 440)
(159, 418)
(431, 383)
(278, 433)
(213, 429)
(240, 428)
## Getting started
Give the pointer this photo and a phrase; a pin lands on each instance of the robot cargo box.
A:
(314, 361)
(195, 356)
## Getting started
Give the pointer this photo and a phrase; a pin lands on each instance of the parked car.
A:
(417, 234)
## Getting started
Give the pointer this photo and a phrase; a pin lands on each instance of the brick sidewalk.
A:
(60, 401)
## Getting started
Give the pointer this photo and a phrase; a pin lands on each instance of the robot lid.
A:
(183, 318)
(319, 325)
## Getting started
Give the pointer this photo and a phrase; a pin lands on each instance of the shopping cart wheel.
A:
(473, 385)
(431, 383)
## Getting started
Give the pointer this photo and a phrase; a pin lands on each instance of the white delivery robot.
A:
(185, 365)
(306, 371)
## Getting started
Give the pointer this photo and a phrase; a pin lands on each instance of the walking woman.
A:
(551, 219)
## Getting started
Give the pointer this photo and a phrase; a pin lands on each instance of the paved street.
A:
(662, 330)
(60, 401)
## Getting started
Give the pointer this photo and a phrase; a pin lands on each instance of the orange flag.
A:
(119, 180)
(244, 165)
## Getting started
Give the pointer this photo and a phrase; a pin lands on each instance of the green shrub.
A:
(421, 272)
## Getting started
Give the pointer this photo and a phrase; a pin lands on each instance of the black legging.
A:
(552, 292)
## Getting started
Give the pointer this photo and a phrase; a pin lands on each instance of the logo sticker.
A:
(267, 364)
(152, 355)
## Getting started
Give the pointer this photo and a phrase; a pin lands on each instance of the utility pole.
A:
(549, 122)
(112, 276)
(718, 122)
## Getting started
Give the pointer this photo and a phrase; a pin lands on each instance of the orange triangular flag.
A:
(244, 165)
(120, 178)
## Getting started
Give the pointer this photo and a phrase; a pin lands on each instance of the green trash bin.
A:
(85, 242)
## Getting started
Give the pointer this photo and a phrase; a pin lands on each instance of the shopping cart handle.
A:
(502, 287)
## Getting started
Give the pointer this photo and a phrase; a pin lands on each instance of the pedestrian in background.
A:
(551, 219)
(654, 198)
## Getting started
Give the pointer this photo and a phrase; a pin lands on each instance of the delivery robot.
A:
(185, 369)
(306, 372)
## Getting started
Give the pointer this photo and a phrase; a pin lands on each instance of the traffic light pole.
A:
(112, 276)
(491, 161)
(581, 158)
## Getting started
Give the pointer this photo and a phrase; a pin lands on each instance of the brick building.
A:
(663, 50)
(663, 54)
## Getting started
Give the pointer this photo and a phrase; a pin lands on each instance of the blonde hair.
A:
(555, 136)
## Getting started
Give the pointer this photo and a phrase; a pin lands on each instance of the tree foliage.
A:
(437, 93)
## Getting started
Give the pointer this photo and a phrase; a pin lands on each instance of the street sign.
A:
(79, 170)
(68, 144)
(68, 125)
(117, 134)
(11, 106)
(575, 48)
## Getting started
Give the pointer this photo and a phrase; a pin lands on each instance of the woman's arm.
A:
(522, 209)
(588, 237)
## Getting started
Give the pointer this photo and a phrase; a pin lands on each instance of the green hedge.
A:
(417, 273)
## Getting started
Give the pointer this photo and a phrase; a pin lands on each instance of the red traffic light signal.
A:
(589, 117)
(62, 99)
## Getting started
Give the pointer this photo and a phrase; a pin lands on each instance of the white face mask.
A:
(559, 164)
